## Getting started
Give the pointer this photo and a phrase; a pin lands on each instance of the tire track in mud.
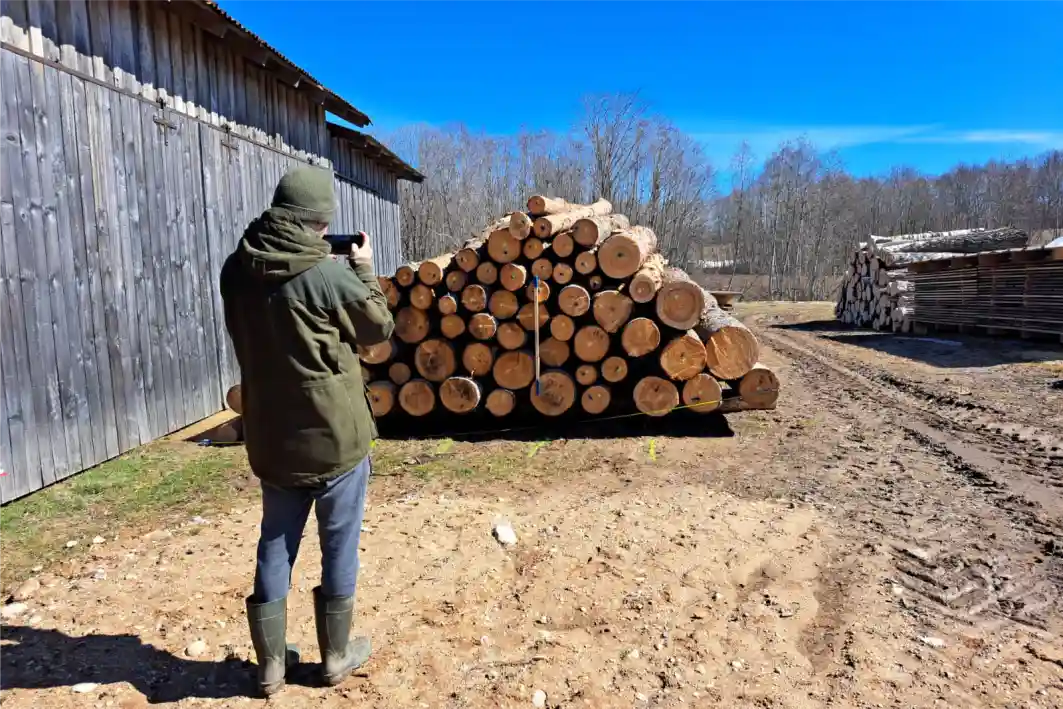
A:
(955, 566)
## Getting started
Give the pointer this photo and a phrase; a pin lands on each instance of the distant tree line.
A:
(793, 218)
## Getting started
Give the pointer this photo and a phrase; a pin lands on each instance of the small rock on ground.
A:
(98, 540)
(196, 649)
(84, 687)
(539, 698)
(504, 533)
(72, 543)
(932, 642)
(13, 610)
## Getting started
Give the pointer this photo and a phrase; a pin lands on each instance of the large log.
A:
(759, 387)
(520, 225)
(538, 292)
(474, 298)
(477, 359)
(483, 326)
(511, 335)
(680, 301)
(501, 402)
(412, 325)
(586, 262)
(382, 395)
(562, 274)
(702, 393)
(554, 353)
(563, 245)
(540, 205)
(614, 369)
(502, 247)
(590, 231)
(468, 257)
(731, 349)
(967, 241)
(622, 254)
(391, 292)
(456, 280)
(447, 304)
(655, 396)
(431, 271)
(452, 326)
(459, 395)
(526, 316)
(893, 260)
(553, 223)
(533, 248)
(417, 397)
(421, 296)
(234, 399)
(647, 280)
(543, 268)
(612, 309)
(378, 353)
(586, 374)
(406, 274)
(503, 304)
(683, 357)
(513, 276)
(399, 372)
(487, 273)
(435, 360)
(574, 300)
(514, 370)
(640, 337)
(591, 343)
(595, 400)
(555, 393)
(562, 327)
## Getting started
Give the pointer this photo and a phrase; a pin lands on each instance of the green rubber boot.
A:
(268, 624)
(340, 653)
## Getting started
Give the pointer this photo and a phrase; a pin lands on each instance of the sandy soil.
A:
(890, 536)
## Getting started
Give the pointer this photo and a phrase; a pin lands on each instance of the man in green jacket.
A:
(295, 317)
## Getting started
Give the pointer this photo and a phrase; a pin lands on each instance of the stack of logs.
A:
(562, 308)
(877, 292)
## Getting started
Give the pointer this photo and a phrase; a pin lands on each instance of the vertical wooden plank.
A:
(213, 204)
(33, 27)
(14, 23)
(211, 49)
(123, 45)
(100, 32)
(24, 465)
(80, 37)
(177, 63)
(191, 71)
(208, 267)
(228, 85)
(146, 50)
(202, 78)
(163, 66)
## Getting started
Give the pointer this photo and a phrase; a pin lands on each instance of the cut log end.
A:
(474, 298)
(382, 397)
(378, 353)
(399, 372)
(477, 359)
(612, 309)
(702, 393)
(511, 335)
(514, 370)
(562, 274)
(554, 353)
(623, 254)
(460, 395)
(563, 245)
(503, 304)
(417, 397)
(543, 268)
(502, 247)
(586, 263)
(447, 304)
(406, 275)
(487, 273)
(574, 300)
(647, 280)
(731, 349)
(655, 396)
(591, 343)
(483, 326)
(421, 296)
(234, 399)
(641, 336)
(467, 259)
(526, 316)
(501, 402)
(456, 280)
(596, 399)
(683, 357)
(435, 360)
(520, 225)
(680, 301)
(452, 326)
(391, 291)
(555, 393)
(412, 325)
(614, 369)
(759, 387)
(513, 276)
(562, 327)
(533, 248)
(586, 374)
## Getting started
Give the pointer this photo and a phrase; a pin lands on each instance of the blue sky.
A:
(920, 84)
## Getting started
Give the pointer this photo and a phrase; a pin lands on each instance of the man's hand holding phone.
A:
(363, 253)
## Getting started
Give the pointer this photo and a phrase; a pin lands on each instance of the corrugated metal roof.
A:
(332, 101)
(376, 150)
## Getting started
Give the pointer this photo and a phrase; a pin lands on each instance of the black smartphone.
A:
(341, 243)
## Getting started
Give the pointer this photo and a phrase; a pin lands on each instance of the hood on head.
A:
(277, 246)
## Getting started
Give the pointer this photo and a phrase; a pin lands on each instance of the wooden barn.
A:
(139, 138)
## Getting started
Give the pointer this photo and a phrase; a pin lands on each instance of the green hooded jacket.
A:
(295, 316)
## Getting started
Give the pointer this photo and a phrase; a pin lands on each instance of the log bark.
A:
(520, 225)
(586, 263)
(477, 358)
(417, 397)
(382, 396)
(623, 254)
(591, 231)
(391, 292)
(759, 387)
(655, 396)
(702, 393)
(562, 274)
(731, 349)
(399, 372)
(967, 241)
(574, 300)
(591, 343)
(614, 369)
(412, 325)
(562, 328)
(514, 370)
(456, 280)
(452, 326)
(513, 276)
(647, 280)
(503, 304)
(563, 245)
(435, 360)
(596, 399)
(378, 353)
(487, 273)
(447, 304)
(533, 248)
(406, 274)
(234, 399)
(554, 353)
(459, 395)
(553, 223)
(612, 309)
(893, 260)
(502, 247)
(586, 374)
(483, 326)
(555, 394)
(683, 357)
(431, 271)
(680, 301)
(501, 402)
(421, 296)
(540, 205)
(511, 335)
(640, 337)
(526, 316)
(474, 298)
(538, 294)
(543, 268)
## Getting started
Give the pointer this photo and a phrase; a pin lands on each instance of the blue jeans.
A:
(340, 507)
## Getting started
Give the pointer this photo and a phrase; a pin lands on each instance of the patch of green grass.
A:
(119, 497)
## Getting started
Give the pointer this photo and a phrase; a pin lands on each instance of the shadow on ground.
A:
(948, 351)
(42, 659)
(685, 424)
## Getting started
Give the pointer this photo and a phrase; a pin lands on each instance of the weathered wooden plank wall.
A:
(135, 151)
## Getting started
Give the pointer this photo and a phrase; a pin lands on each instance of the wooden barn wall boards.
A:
(139, 139)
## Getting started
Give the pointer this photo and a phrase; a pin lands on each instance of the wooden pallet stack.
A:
(878, 290)
(561, 309)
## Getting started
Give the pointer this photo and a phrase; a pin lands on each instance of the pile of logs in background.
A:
(579, 294)
(878, 290)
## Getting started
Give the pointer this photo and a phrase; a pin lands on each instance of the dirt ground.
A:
(890, 536)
